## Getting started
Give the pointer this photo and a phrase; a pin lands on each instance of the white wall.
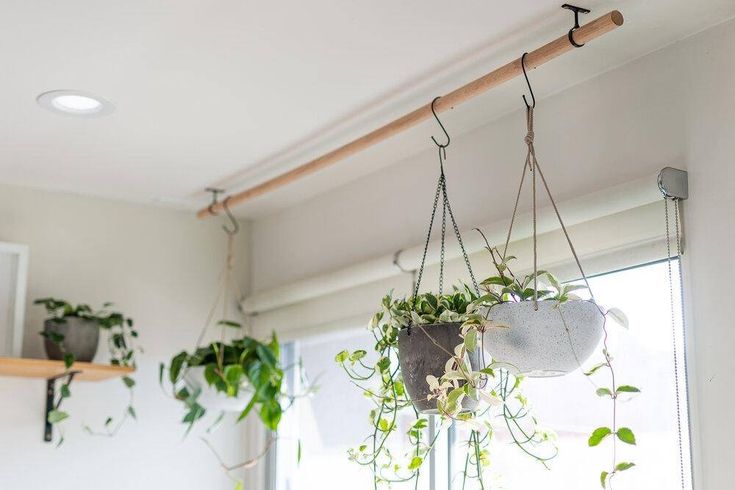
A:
(161, 268)
(675, 107)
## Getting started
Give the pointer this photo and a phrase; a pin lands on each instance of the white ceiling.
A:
(230, 92)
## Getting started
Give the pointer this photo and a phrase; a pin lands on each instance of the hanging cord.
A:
(226, 281)
(531, 164)
(441, 191)
(677, 235)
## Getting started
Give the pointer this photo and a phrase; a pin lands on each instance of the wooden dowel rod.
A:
(534, 59)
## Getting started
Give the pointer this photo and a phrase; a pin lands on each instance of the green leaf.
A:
(598, 435)
(603, 392)
(68, 360)
(627, 389)
(176, 365)
(131, 412)
(342, 357)
(56, 416)
(239, 485)
(624, 466)
(357, 355)
(161, 369)
(626, 435)
(470, 340)
(603, 479)
(65, 392)
(298, 452)
(415, 463)
(595, 368)
(229, 323)
(129, 382)
(383, 364)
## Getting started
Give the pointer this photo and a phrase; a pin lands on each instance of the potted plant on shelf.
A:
(71, 334)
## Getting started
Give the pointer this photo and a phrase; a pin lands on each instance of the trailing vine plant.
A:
(120, 343)
(508, 288)
(494, 387)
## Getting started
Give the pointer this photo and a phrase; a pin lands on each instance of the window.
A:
(335, 419)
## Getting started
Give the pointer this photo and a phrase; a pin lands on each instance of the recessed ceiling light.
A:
(75, 103)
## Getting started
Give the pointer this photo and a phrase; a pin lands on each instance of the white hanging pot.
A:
(210, 398)
(551, 341)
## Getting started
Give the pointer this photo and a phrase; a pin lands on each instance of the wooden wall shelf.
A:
(43, 368)
(53, 370)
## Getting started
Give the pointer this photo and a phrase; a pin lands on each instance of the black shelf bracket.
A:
(51, 404)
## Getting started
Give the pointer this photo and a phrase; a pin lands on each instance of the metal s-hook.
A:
(235, 225)
(577, 11)
(215, 193)
(525, 75)
(449, 140)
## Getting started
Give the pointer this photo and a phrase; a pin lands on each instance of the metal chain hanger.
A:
(441, 191)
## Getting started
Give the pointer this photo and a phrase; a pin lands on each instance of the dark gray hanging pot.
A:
(81, 337)
(551, 341)
(419, 356)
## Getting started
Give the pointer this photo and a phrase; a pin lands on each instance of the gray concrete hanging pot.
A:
(424, 350)
(81, 337)
(551, 341)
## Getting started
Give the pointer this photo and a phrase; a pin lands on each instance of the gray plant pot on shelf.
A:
(553, 341)
(420, 356)
(81, 337)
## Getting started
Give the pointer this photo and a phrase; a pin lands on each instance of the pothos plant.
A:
(120, 343)
(497, 391)
(229, 368)
(494, 386)
(240, 368)
(505, 286)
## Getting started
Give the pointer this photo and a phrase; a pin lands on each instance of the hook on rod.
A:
(235, 225)
(530, 89)
(449, 140)
(215, 194)
(577, 11)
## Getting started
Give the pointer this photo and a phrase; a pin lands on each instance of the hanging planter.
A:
(235, 373)
(553, 340)
(428, 360)
(424, 350)
(242, 374)
(542, 330)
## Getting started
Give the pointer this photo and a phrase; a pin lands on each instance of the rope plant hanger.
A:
(548, 330)
(238, 374)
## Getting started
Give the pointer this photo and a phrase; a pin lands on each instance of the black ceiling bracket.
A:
(577, 11)
(51, 404)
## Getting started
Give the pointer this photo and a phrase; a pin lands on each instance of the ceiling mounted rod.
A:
(582, 35)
